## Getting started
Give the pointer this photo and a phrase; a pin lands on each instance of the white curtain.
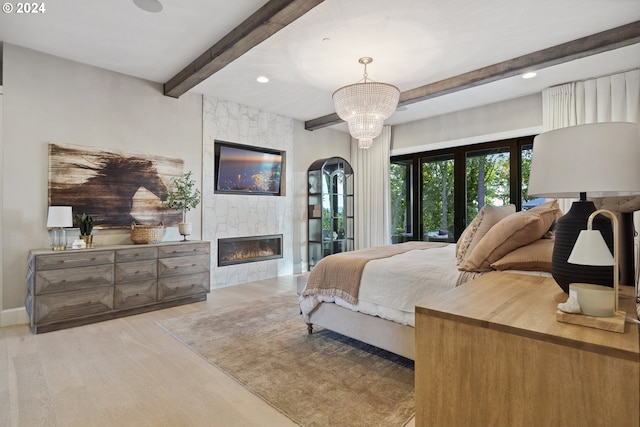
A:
(614, 98)
(372, 192)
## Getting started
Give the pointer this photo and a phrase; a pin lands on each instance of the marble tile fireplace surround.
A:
(240, 250)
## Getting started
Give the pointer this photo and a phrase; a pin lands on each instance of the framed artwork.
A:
(114, 187)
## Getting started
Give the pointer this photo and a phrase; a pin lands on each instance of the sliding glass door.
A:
(436, 194)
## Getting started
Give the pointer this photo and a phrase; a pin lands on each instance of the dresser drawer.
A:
(176, 287)
(183, 265)
(69, 279)
(74, 259)
(183, 249)
(66, 306)
(135, 294)
(136, 271)
(137, 253)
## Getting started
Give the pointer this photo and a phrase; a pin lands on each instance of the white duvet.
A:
(391, 287)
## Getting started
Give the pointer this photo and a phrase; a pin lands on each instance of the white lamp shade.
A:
(59, 216)
(591, 249)
(600, 159)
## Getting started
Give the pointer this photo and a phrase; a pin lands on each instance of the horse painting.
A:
(114, 188)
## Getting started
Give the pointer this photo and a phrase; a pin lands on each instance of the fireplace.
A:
(239, 250)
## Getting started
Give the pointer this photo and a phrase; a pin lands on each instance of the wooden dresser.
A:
(491, 353)
(76, 287)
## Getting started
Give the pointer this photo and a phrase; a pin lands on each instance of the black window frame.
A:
(414, 187)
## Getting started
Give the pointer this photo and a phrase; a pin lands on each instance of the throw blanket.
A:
(339, 274)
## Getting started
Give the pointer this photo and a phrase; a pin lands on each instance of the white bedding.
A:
(391, 287)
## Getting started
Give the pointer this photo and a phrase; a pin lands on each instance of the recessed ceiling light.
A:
(262, 79)
(153, 6)
(529, 75)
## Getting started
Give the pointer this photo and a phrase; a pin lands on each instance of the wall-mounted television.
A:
(247, 170)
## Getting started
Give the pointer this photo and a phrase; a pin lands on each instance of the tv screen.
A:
(248, 171)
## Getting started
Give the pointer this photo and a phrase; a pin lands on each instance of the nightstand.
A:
(491, 353)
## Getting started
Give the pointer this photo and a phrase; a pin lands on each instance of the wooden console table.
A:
(491, 353)
(76, 287)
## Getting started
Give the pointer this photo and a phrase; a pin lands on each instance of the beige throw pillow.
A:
(510, 233)
(485, 219)
(535, 256)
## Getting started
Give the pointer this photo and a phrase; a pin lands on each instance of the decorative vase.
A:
(184, 228)
(88, 240)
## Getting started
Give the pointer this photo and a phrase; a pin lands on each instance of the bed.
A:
(370, 294)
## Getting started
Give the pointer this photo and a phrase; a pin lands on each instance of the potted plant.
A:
(183, 197)
(85, 223)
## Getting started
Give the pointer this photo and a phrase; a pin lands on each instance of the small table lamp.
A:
(593, 160)
(58, 218)
(591, 249)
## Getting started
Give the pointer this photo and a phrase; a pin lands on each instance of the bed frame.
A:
(385, 334)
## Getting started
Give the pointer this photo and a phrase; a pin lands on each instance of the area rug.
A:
(322, 379)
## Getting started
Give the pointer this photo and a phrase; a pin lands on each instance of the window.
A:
(438, 198)
(401, 201)
(452, 185)
(487, 179)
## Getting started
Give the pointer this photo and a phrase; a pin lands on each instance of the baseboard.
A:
(14, 316)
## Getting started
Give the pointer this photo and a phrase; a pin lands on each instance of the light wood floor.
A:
(128, 372)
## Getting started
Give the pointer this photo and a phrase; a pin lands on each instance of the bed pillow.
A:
(512, 232)
(485, 219)
(535, 256)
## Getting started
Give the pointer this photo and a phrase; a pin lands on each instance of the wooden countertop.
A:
(525, 305)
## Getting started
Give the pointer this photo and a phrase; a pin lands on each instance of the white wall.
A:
(506, 119)
(49, 99)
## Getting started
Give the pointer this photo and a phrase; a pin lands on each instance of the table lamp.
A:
(591, 249)
(592, 160)
(58, 218)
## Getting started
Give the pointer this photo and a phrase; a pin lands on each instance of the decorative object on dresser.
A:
(144, 234)
(58, 218)
(78, 287)
(184, 197)
(592, 160)
(85, 224)
(595, 300)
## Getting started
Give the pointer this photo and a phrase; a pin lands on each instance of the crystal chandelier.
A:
(365, 105)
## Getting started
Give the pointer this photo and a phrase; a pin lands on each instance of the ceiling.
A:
(412, 42)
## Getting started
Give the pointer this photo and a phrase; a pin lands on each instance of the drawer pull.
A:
(93, 258)
(137, 295)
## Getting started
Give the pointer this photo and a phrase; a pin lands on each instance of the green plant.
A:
(184, 196)
(85, 223)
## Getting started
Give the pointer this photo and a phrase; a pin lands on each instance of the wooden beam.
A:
(265, 22)
(590, 45)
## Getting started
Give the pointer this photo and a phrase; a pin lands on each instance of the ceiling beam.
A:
(265, 22)
(597, 43)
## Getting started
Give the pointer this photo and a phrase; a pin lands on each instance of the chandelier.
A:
(365, 105)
